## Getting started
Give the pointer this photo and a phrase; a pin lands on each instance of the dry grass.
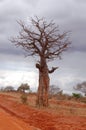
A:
(56, 106)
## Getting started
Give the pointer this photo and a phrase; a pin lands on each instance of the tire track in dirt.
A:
(8, 122)
(42, 119)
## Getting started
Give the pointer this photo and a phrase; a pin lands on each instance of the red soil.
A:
(8, 122)
(42, 119)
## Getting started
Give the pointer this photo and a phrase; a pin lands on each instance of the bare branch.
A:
(42, 39)
(53, 69)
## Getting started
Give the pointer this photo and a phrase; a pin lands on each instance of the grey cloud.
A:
(54, 9)
(2, 77)
(8, 50)
(16, 62)
(32, 2)
(80, 1)
(2, 1)
(79, 48)
(9, 26)
(14, 10)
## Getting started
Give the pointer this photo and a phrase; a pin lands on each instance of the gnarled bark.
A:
(43, 88)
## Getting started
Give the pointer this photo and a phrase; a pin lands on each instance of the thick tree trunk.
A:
(43, 88)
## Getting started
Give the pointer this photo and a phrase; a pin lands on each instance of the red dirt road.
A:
(8, 122)
(22, 117)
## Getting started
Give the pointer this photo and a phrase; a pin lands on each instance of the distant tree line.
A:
(53, 89)
(22, 88)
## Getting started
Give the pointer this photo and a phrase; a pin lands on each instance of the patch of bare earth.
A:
(59, 116)
(9, 122)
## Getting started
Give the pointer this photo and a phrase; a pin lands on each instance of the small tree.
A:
(81, 87)
(23, 87)
(1, 89)
(44, 40)
(53, 89)
(8, 89)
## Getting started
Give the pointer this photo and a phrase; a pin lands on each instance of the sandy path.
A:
(21, 115)
(8, 122)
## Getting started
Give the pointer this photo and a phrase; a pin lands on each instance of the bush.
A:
(8, 89)
(23, 87)
(76, 95)
(24, 98)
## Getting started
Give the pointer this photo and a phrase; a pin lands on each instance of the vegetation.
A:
(7, 89)
(53, 90)
(63, 114)
(24, 98)
(77, 95)
(44, 40)
(1, 89)
(81, 87)
(23, 87)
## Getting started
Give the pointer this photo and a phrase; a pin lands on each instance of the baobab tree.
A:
(42, 39)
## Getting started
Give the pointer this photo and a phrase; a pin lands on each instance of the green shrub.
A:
(24, 98)
(76, 95)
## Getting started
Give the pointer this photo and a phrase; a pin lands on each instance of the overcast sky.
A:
(69, 15)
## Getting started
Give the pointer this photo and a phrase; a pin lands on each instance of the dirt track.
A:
(8, 122)
(28, 116)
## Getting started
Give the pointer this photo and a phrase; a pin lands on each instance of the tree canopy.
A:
(42, 38)
(23, 87)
